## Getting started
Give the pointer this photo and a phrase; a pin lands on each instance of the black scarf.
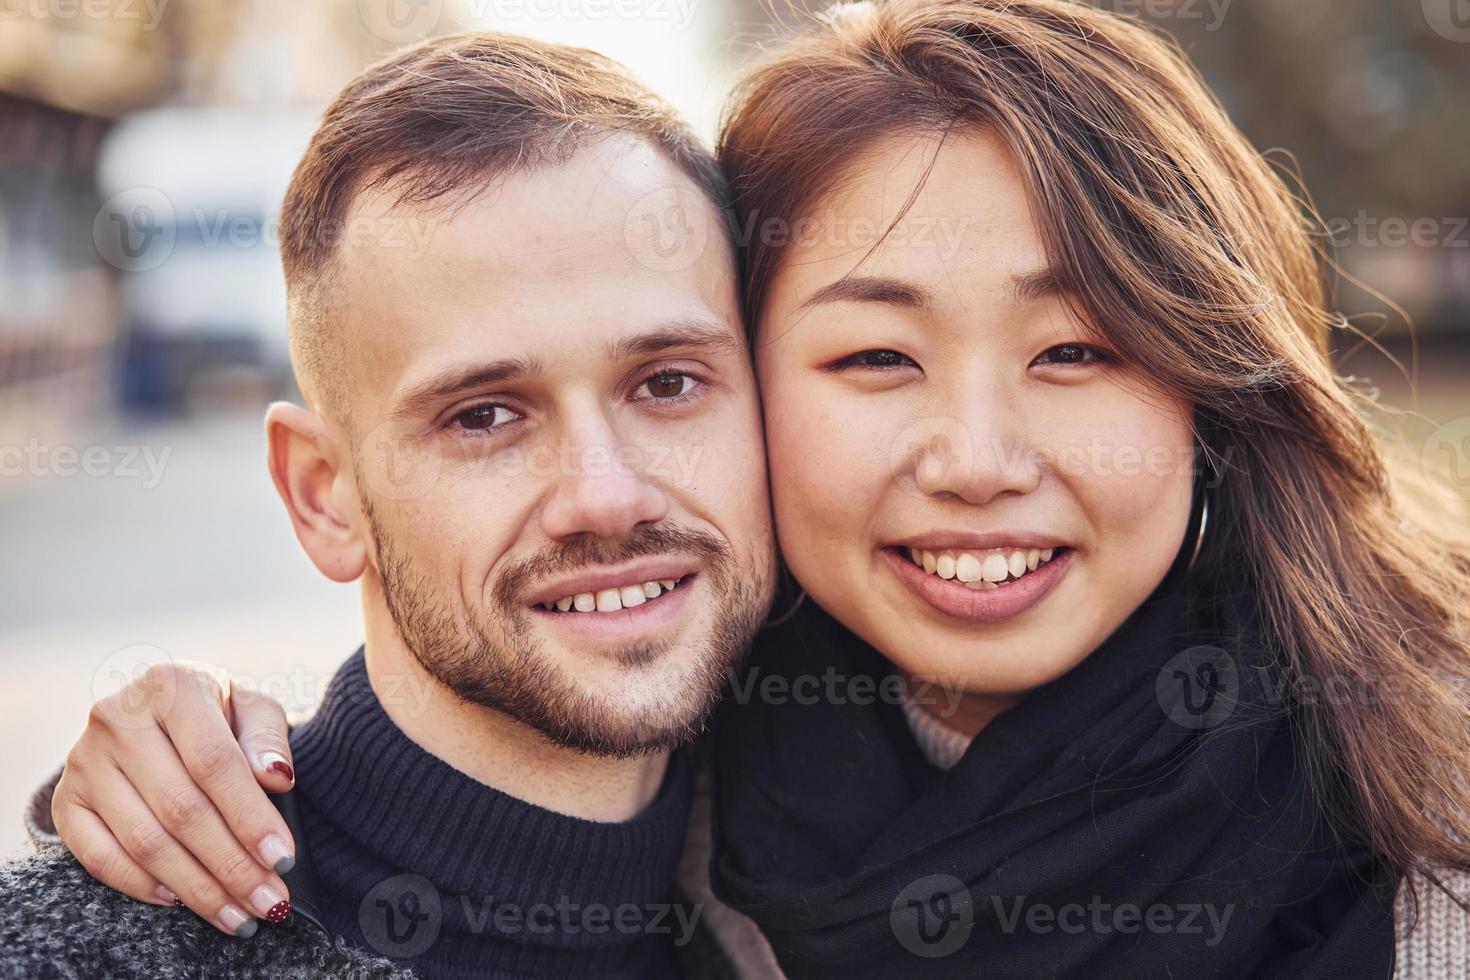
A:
(1113, 824)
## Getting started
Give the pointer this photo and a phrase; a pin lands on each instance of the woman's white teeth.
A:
(984, 570)
(611, 600)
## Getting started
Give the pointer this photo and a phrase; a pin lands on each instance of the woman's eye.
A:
(880, 359)
(1070, 354)
(479, 417)
(669, 384)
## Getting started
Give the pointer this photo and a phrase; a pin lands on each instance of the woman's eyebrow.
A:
(1037, 284)
(1026, 287)
(869, 289)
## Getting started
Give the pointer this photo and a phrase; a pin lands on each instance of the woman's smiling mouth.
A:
(987, 585)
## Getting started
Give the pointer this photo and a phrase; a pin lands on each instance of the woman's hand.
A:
(164, 795)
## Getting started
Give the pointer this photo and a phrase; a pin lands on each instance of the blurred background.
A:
(144, 149)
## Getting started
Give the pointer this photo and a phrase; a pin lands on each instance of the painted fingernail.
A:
(166, 896)
(266, 900)
(277, 854)
(278, 913)
(275, 762)
(237, 922)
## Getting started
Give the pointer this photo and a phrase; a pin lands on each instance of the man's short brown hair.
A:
(443, 116)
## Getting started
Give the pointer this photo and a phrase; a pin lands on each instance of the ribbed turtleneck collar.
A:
(378, 809)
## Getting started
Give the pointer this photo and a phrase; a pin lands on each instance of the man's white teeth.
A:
(984, 570)
(611, 600)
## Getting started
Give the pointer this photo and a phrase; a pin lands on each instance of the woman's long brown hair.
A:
(1178, 241)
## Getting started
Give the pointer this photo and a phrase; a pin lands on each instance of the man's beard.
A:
(513, 677)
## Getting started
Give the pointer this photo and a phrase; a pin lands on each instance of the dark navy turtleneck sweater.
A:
(415, 860)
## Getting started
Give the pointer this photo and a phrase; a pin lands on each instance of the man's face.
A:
(553, 421)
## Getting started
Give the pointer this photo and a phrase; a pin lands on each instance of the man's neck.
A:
(493, 748)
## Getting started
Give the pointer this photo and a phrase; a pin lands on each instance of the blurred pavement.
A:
(203, 565)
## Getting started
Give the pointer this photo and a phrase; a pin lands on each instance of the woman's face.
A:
(939, 424)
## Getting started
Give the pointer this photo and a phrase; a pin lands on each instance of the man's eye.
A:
(1070, 354)
(484, 417)
(669, 384)
(880, 359)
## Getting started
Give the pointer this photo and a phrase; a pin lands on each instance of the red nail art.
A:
(284, 768)
(178, 903)
(278, 913)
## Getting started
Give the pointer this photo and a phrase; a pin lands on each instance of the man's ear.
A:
(305, 471)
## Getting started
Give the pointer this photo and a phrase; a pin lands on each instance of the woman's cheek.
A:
(1134, 482)
(816, 458)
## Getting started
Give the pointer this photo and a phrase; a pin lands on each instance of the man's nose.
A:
(601, 487)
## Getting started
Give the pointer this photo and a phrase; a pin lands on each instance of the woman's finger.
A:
(197, 724)
(260, 726)
(92, 843)
(190, 817)
(146, 841)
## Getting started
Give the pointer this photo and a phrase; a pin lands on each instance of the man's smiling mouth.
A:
(614, 598)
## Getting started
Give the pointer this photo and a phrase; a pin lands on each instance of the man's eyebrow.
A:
(693, 335)
(869, 289)
(427, 394)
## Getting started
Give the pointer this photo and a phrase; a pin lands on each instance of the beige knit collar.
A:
(942, 746)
